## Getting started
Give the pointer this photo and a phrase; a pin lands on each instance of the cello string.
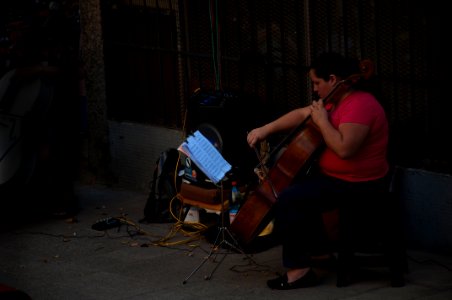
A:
(264, 171)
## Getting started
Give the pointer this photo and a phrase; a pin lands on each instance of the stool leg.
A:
(397, 267)
(345, 252)
(395, 248)
(345, 261)
(397, 278)
(344, 269)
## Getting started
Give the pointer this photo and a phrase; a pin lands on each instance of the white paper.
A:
(205, 156)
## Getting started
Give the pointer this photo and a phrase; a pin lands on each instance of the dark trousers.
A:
(298, 219)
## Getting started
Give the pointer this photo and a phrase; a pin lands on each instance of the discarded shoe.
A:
(280, 283)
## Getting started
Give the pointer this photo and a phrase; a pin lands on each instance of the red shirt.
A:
(371, 161)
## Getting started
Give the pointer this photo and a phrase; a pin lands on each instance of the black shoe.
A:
(280, 283)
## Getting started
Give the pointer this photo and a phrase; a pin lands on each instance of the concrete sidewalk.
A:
(67, 259)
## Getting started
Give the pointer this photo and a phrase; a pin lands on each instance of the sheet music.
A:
(205, 156)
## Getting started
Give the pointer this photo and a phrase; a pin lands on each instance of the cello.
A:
(302, 143)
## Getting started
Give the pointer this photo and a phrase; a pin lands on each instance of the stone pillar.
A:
(96, 148)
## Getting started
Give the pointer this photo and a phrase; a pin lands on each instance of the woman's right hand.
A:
(256, 135)
(285, 123)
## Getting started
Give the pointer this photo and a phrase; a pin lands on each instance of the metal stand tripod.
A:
(220, 241)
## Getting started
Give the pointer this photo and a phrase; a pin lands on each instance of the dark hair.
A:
(330, 63)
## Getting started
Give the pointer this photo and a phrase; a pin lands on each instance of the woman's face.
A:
(321, 87)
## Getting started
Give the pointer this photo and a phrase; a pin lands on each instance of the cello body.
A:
(256, 212)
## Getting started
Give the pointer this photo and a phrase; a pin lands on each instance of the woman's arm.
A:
(284, 123)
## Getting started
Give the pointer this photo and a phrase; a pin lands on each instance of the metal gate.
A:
(158, 52)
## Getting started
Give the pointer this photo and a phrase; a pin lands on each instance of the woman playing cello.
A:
(354, 129)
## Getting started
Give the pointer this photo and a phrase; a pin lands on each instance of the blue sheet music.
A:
(205, 156)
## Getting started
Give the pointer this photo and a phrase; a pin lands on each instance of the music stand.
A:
(204, 154)
(220, 240)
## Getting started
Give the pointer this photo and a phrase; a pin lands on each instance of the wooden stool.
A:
(205, 205)
(220, 207)
(371, 235)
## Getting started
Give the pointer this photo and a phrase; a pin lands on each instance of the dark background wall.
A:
(157, 53)
(145, 59)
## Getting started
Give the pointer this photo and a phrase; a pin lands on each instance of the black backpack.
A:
(164, 188)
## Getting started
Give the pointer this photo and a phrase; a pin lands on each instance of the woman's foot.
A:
(294, 279)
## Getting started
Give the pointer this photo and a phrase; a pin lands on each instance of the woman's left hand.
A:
(318, 112)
